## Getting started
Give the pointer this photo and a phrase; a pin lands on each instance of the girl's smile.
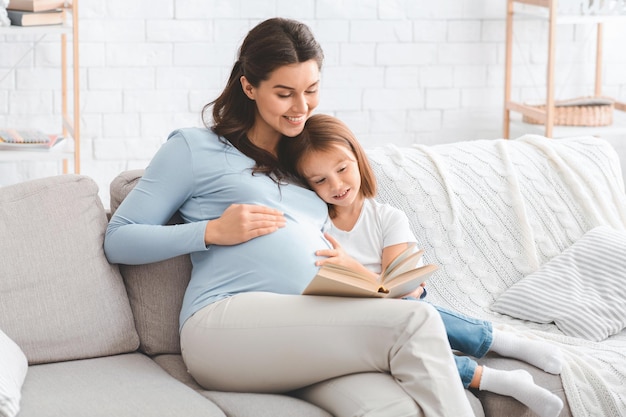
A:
(334, 175)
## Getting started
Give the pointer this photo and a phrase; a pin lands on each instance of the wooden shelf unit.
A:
(70, 123)
(547, 9)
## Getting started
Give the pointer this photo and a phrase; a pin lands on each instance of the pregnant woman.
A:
(252, 238)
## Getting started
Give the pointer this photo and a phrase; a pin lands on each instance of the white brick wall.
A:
(397, 71)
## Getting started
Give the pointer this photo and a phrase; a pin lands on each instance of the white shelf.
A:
(70, 150)
(51, 155)
(35, 30)
(548, 9)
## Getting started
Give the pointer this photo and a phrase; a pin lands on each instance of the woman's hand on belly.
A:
(241, 222)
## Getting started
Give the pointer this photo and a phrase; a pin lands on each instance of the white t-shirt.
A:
(378, 226)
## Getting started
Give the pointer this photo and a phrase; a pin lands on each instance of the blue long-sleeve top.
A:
(200, 175)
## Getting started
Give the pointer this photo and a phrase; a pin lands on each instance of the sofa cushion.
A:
(245, 404)
(121, 385)
(60, 298)
(582, 290)
(242, 404)
(155, 290)
(13, 367)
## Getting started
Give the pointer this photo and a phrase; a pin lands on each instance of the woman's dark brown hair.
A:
(271, 44)
(322, 133)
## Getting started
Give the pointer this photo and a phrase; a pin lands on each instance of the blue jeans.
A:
(467, 335)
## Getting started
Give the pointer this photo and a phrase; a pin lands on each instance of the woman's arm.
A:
(137, 233)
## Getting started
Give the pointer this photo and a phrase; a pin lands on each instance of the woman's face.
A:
(284, 102)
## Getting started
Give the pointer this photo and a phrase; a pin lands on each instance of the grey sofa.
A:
(102, 339)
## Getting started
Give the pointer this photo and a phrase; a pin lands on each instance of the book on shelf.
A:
(42, 18)
(35, 5)
(28, 140)
(401, 277)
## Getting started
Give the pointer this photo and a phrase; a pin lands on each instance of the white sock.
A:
(519, 384)
(535, 352)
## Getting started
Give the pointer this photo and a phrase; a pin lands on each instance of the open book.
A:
(401, 277)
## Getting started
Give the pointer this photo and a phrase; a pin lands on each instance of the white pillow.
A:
(582, 290)
(13, 367)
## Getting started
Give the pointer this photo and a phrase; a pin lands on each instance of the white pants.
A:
(263, 342)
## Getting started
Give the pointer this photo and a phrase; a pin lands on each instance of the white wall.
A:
(397, 71)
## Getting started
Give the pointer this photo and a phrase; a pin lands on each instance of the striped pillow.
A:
(582, 290)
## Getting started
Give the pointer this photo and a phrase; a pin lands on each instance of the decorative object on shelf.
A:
(593, 7)
(55, 140)
(35, 5)
(44, 17)
(581, 111)
(27, 140)
(24, 136)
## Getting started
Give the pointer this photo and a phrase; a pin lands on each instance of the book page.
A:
(409, 261)
(398, 259)
(347, 272)
(332, 285)
(408, 282)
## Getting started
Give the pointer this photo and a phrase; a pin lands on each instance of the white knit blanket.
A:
(490, 212)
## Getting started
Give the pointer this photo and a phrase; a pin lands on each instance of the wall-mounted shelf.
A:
(69, 150)
(547, 9)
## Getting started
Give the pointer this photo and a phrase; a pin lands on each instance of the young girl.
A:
(367, 235)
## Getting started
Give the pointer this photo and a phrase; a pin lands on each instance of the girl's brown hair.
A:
(321, 134)
(271, 44)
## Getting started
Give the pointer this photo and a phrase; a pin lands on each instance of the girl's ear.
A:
(248, 89)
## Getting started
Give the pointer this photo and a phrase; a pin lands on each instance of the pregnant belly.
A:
(282, 262)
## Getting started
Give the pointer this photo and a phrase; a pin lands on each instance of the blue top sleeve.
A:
(136, 233)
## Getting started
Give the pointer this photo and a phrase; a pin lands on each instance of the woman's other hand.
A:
(242, 222)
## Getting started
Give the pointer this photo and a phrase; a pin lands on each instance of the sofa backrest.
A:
(490, 212)
(59, 297)
(155, 290)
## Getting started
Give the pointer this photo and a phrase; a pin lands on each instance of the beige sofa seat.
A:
(122, 385)
(241, 404)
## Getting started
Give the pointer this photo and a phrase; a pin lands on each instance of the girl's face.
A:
(284, 102)
(334, 175)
